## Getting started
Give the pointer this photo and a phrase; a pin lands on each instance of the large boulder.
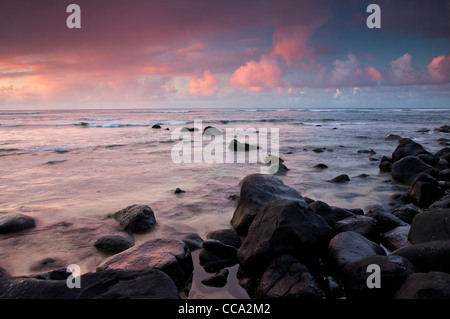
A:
(350, 246)
(108, 284)
(385, 221)
(429, 256)
(430, 226)
(407, 212)
(444, 202)
(12, 223)
(226, 236)
(406, 169)
(283, 226)
(407, 147)
(330, 215)
(256, 191)
(287, 278)
(136, 218)
(432, 285)
(395, 238)
(114, 243)
(425, 190)
(166, 254)
(364, 225)
(215, 255)
(394, 271)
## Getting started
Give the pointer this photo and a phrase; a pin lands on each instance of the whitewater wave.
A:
(181, 111)
(103, 119)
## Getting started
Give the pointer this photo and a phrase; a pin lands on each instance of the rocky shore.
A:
(286, 245)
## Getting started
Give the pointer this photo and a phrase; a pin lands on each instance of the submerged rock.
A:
(136, 218)
(407, 168)
(12, 223)
(343, 178)
(215, 255)
(235, 145)
(114, 243)
(226, 236)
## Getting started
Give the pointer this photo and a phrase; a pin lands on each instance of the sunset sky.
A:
(224, 53)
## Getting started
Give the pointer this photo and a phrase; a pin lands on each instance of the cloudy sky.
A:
(224, 53)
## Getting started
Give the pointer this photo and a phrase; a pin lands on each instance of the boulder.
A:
(283, 226)
(407, 212)
(192, 241)
(236, 146)
(394, 271)
(211, 130)
(156, 126)
(3, 273)
(108, 284)
(386, 221)
(215, 255)
(385, 166)
(136, 218)
(343, 178)
(407, 147)
(444, 202)
(226, 236)
(364, 225)
(443, 153)
(219, 279)
(443, 128)
(425, 190)
(256, 191)
(350, 246)
(430, 226)
(432, 285)
(395, 238)
(168, 255)
(330, 215)
(12, 223)
(429, 256)
(287, 278)
(114, 243)
(407, 168)
(392, 137)
(321, 166)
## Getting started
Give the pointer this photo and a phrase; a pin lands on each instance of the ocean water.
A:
(81, 165)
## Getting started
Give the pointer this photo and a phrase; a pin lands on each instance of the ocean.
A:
(81, 165)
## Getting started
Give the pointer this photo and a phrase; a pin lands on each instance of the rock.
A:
(47, 264)
(114, 243)
(168, 255)
(350, 246)
(12, 223)
(432, 285)
(211, 130)
(324, 210)
(443, 128)
(340, 179)
(108, 284)
(386, 221)
(287, 278)
(394, 271)
(320, 166)
(136, 218)
(283, 226)
(406, 213)
(392, 137)
(219, 279)
(443, 153)
(192, 241)
(319, 150)
(407, 147)
(371, 152)
(3, 273)
(444, 202)
(425, 190)
(189, 129)
(215, 255)
(430, 226)
(256, 191)
(429, 159)
(364, 225)
(235, 145)
(423, 130)
(276, 159)
(226, 236)
(179, 191)
(385, 166)
(429, 256)
(395, 238)
(406, 169)
(156, 126)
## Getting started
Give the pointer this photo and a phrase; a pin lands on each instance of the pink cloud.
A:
(206, 86)
(439, 69)
(290, 42)
(372, 73)
(257, 75)
(402, 72)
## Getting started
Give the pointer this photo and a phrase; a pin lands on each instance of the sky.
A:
(224, 53)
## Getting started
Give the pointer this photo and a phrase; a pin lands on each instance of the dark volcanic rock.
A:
(432, 285)
(430, 226)
(169, 255)
(444, 202)
(193, 241)
(12, 223)
(3, 273)
(406, 213)
(429, 256)
(320, 166)
(394, 271)
(156, 126)
(179, 191)
(256, 191)
(283, 226)
(340, 179)
(108, 284)
(215, 255)
(350, 246)
(385, 166)
(287, 278)
(219, 279)
(114, 243)
(226, 236)
(364, 225)
(330, 215)
(425, 190)
(407, 147)
(386, 221)
(211, 130)
(235, 145)
(392, 137)
(136, 218)
(395, 238)
(406, 169)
